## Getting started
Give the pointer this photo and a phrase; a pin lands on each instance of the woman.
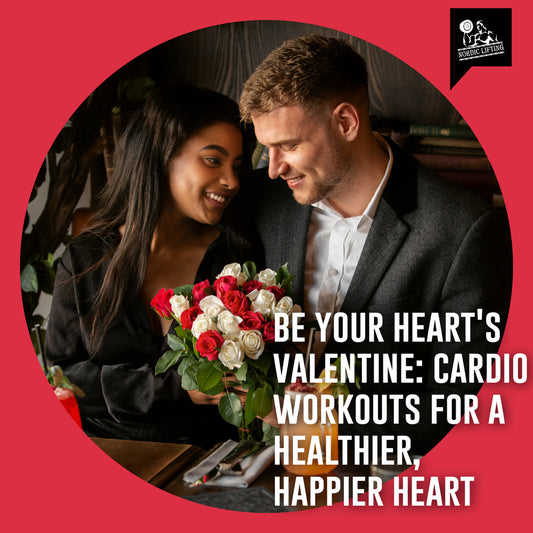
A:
(177, 169)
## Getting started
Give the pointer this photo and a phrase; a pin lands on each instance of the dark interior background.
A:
(223, 57)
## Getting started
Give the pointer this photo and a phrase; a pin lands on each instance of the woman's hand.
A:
(231, 386)
(200, 398)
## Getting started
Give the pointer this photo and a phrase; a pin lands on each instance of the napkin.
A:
(252, 467)
(210, 462)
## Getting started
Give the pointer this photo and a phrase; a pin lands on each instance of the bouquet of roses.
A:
(223, 338)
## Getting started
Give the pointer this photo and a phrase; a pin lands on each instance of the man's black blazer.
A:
(432, 248)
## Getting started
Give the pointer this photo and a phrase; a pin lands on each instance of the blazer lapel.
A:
(282, 224)
(386, 236)
(294, 224)
(387, 233)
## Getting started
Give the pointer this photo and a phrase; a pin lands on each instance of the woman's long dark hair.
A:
(133, 196)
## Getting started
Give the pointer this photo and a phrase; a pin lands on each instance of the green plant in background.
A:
(78, 155)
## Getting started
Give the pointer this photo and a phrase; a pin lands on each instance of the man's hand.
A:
(271, 418)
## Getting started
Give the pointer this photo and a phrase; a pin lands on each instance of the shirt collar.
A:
(372, 206)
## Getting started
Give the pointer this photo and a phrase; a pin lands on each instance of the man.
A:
(482, 37)
(368, 230)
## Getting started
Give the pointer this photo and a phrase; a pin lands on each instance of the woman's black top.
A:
(123, 397)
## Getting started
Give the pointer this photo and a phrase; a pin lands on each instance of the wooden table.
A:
(163, 465)
(154, 462)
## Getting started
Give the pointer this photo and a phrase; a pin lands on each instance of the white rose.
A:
(233, 269)
(252, 343)
(228, 323)
(179, 303)
(252, 295)
(231, 354)
(212, 306)
(201, 324)
(267, 277)
(284, 305)
(264, 302)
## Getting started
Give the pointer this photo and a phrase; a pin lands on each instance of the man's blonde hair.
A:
(305, 71)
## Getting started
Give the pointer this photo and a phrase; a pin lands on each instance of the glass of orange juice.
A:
(317, 445)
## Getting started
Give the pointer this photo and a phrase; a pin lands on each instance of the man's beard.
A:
(334, 185)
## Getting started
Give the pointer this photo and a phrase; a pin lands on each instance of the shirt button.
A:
(333, 271)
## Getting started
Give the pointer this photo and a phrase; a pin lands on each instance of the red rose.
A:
(252, 285)
(276, 291)
(208, 344)
(200, 290)
(224, 284)
(252, 320)
(269, 332)
(236, 302)
(189, 315)
(161, 302)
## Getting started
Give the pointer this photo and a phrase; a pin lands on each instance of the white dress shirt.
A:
(334, 246)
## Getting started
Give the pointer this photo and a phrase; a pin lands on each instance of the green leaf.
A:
(175, 343)
(241, 372)
(185, 334)
(185, 364)
(340, 389)
(230, 408)
(188, 378)
(251, 379)
(282, 273)
(262, 364)
(278, 388)
(337, 364)
(49, 261)
(168, 359)
(284, 278)
(208, 376)
(286, 284)
(186, 290)
(196, 352)
(262, 400)
(249, 270)
(249, 411)
(28, 279)
(269, 433)
(138, 89)
(46, 276)
(56, 378)
(218, 365)
(220, 387)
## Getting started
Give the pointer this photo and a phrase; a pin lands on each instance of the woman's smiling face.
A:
(203, 177)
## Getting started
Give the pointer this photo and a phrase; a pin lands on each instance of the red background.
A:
(54, 54)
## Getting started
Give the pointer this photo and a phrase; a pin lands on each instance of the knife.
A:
(234, 467)
(237, 454)
(234, 455)
(230, 465)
